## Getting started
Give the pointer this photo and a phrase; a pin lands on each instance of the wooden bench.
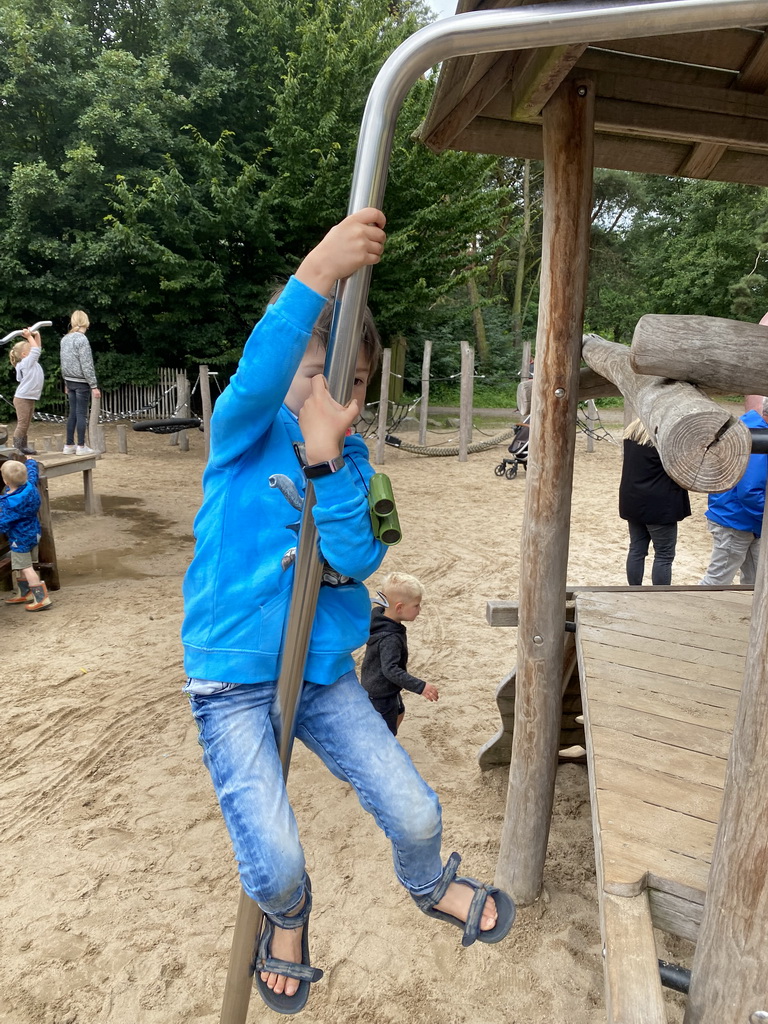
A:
(58, 464)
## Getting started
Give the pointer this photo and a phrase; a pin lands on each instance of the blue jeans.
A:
(79, 395)
(664, 537)
(236, 725)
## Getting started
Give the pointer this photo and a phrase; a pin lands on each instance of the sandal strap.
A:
(475, 914)
(428, 901)
(301, 972)
(294, 920)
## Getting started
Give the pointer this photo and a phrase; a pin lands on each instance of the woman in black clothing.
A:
(653, 504)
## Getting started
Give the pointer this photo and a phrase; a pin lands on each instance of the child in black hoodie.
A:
(384, 670)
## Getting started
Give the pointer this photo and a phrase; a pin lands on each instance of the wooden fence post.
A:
(122, 439)
(467, 386)
(381, 430)
(424, 410)
(591, 420)
(205, 396)
(95, 432)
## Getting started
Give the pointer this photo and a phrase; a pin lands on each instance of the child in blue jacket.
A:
(736, 516)
(19, 503)
(237, 593)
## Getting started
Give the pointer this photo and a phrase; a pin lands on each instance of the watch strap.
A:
(324, 468)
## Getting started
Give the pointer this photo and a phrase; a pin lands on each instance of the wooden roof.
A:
(693, 105)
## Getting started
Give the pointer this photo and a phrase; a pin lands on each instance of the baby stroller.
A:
(519, 451)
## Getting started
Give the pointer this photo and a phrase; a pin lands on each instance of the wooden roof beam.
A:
(705, 156)
(458, 77)
(536, 75)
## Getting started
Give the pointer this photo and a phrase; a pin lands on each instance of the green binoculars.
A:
(381, 501)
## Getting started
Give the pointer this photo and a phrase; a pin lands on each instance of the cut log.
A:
(703, 447)
(724, 356)
(591, 385)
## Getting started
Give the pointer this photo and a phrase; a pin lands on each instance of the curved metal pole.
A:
(463, 34)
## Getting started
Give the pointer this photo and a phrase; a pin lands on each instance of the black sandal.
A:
(303, 972)
(505, 908)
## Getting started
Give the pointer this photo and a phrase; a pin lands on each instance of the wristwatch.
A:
(324, 468)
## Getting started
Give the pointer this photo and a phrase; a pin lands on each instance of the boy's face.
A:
(408, 610)
(311, 365)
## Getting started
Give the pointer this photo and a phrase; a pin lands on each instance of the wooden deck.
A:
(661, 675)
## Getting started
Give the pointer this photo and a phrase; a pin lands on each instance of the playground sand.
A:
(118, 883)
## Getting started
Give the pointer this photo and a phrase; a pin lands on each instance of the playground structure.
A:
(653, 97)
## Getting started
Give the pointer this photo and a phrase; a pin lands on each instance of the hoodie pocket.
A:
(273, 618)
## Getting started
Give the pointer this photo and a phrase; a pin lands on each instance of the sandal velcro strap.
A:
(428, 901)
(472, 925)
(302, 972)
(294, 920)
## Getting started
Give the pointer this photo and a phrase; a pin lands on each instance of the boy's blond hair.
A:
(399, 586)
(17, 353)
(14, 473)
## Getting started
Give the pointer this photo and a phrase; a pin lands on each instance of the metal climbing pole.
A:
(464, 34)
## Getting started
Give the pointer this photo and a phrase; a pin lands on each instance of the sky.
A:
(443, 8)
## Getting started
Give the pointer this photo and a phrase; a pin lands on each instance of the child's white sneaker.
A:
(83, 449)
(69, 449)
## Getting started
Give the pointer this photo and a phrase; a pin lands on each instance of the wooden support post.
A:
(701, 445)
(122, 439)
(205, 396)
(424, 410)
(465, 407)
(46, 547)
(591, 385)
(730, 980)
(381, 430)
(568, 120)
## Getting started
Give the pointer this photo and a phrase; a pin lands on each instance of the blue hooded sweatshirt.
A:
(237, 589)
(18, 512)
(741, 508)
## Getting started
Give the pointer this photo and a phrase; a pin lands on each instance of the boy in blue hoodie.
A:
(736, 516)
(19, 503)
(237, 593)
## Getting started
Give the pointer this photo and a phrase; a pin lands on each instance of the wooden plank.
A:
(679, 619)
(676, 761)
(630, 866)
(611, 646)
(674, 635)
(633, 66)
(726, 48)
(678, 709)
(656, 826)
(663, 731)
(735, 102)
(676, 915)
(490, 135)
(710, 694)
(632, 984)
(644, 781)
(472, 102)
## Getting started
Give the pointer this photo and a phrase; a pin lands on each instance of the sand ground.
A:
(118, 885)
